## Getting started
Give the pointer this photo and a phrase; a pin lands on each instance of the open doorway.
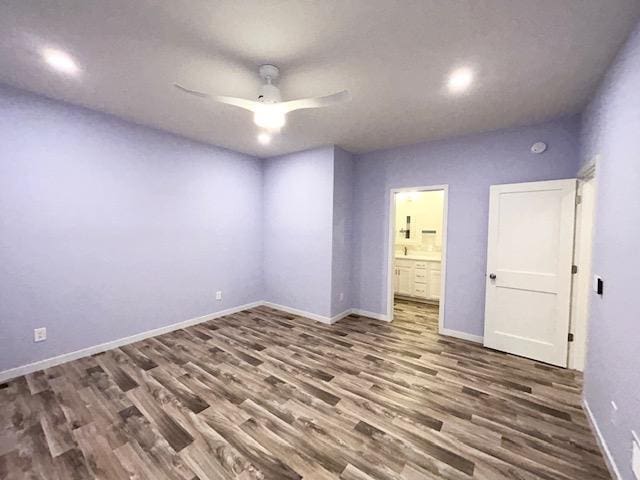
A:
(417, 234)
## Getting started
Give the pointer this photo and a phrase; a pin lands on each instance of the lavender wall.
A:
(298, 203)
(110, 229)
(343, 169)
(611, 127)
(469, 165)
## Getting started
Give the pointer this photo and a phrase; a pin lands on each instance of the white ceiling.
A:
(533, 60)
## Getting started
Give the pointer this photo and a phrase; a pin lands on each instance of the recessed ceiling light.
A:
(264, 138)
(60, 60)
(460, 80)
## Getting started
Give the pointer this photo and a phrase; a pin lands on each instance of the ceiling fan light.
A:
(264, 138)
(270, 118)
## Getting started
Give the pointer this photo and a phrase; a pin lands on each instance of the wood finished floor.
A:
(265, 394)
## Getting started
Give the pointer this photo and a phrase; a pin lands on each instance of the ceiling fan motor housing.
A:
(269, 93)
(269, 73)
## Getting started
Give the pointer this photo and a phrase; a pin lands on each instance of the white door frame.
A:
(583, 255)
(392, 242)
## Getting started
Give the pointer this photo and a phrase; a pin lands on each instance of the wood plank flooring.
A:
(263, 394)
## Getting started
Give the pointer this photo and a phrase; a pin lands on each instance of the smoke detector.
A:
(538, 147)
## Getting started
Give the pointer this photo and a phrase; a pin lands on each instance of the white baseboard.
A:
(302, 313)
(323, 319)
(606, 453)
(85, 352)
(340, 316)
(375, 316)
(462, 335)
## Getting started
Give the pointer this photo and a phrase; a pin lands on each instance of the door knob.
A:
(492, 276)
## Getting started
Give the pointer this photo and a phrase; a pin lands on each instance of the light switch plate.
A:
(635, 456)
(598, 284)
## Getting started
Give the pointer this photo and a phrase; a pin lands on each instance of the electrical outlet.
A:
(219, 295)
(39, 334)
(341, 296)
(635, 456)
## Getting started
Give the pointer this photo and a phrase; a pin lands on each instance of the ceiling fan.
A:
(269, 111)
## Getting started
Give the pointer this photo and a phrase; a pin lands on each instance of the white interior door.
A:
(529, 258)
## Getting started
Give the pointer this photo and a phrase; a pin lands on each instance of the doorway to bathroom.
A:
(417, 254)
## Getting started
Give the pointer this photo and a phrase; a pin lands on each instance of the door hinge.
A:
(578, 199)
(571, 337)
(574, 269)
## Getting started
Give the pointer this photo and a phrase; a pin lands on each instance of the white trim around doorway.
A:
(391, 248)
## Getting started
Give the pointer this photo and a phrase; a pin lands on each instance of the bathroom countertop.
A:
(430, 257)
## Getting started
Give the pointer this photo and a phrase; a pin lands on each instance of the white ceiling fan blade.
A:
(314, 102)
(190, 92)
(239, 102)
